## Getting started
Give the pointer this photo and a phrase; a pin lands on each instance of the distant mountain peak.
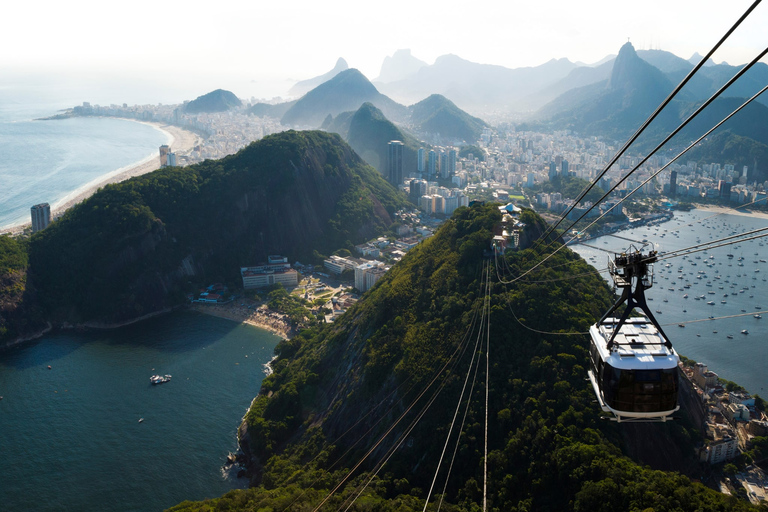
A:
(696, 58)
(399, 66)
(627, 67)
(304, 86)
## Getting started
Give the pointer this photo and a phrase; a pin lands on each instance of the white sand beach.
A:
(181, 141)
(720, 210)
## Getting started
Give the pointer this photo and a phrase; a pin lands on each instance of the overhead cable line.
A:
(487, 390)
(674, 132)
(382, 417)
(688, 148)
(399, 441)
(755, 237)
(451, 362)
(715, 318)
(713, 244)
(653, 116)
(461, 396)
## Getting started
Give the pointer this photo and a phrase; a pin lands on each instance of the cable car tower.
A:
(633, 365)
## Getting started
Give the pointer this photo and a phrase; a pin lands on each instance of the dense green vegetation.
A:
(369, 133)
(476, 151)
(13, 255)
(295, 307)
(729, 148)
(139, 246)
(319, 412)
(16, 316)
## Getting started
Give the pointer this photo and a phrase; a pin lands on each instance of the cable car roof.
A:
(637, 346)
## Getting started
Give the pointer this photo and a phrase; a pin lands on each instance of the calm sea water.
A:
(742, 359)
(44, 161)
(70, 437)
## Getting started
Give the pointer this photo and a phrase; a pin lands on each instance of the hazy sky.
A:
(256, 41)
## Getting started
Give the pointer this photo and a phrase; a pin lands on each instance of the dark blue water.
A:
(742, 359)
(70, 437)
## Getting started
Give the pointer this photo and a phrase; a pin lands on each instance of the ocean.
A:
(737, 287)
(70, 437)
(45, 161)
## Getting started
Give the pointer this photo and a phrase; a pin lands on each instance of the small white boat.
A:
(744, 331)
(159, 379)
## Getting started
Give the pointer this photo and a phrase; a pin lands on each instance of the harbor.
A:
(719, 295)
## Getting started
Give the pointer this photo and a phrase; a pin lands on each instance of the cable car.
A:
(634, 368)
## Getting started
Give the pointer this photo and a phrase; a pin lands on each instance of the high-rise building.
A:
(444, 165)
(421, 162)
(41, 216)
(432, 164)
(395, 162)
(564, 167)
(171, 159)
(451, 162)
(552, 169)
(164, 150)
(673, 183)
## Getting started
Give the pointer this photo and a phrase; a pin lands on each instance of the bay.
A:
(743, 357)
(45, 161)
(70, 437)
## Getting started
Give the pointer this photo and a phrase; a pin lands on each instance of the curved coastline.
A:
(180, 140)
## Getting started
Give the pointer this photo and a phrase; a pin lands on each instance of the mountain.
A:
(477, 87)
(342, 93)
(696, 58)
(276, 110)
(710, 78)
(139, 246)
(437, 115)
(303, 87)
(736, 150)
(369, 132)
(399, 66)
(666, 62)
(371, 397)
(215, 101)
(578, 77)
(617, 106)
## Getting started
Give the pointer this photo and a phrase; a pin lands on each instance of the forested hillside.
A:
(341, 395)
(137, 247)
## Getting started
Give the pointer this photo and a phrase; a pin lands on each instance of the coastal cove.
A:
(72, 439)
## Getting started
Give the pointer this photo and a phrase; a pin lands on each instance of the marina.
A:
(727, 284)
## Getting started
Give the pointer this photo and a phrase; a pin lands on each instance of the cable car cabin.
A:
(636, 379)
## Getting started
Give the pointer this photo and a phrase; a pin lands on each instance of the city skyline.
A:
(271, 46)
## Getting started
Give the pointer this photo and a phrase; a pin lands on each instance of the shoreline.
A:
(261, 317)
(180, 141)
(730, 211)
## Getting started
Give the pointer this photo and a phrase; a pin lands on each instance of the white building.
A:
(41, 216)
(276, 271)
(367, 274)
